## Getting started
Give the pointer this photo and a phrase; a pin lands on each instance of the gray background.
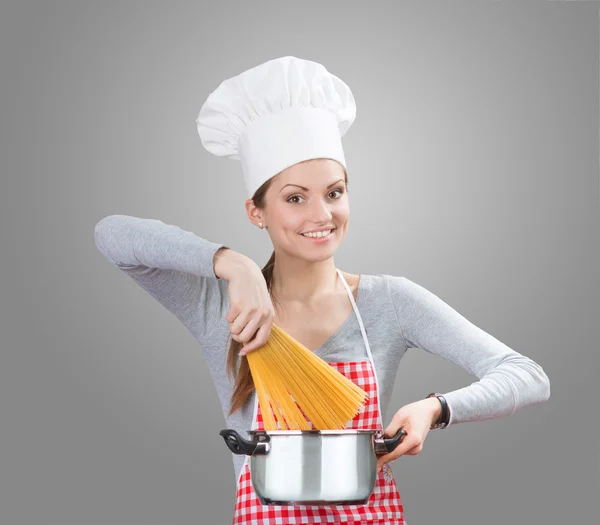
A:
(473, 168)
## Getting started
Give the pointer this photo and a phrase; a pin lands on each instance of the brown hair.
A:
(244, 385)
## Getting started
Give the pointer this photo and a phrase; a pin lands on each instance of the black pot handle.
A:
(387, 445)
(238, 445)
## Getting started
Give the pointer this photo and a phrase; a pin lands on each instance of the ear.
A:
(254, 214)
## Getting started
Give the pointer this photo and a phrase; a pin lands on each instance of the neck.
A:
(303, 281)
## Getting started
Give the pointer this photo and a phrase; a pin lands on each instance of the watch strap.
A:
(444, 418)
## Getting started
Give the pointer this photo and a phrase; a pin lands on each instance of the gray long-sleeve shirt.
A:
(175, 266)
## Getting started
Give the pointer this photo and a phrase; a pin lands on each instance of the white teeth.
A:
(317, 234)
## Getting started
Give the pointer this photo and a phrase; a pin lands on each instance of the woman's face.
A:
(309, 196)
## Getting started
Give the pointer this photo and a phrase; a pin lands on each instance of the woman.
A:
(284, 120)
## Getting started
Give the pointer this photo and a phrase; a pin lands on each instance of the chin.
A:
(319, 255)
(324, 256)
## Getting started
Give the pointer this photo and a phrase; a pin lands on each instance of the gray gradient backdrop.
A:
(473, 165)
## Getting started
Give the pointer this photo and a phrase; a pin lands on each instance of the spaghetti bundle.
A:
(293, 385)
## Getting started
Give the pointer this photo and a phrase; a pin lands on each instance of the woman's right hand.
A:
(251, 313)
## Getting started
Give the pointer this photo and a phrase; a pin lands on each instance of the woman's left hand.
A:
(416, 419)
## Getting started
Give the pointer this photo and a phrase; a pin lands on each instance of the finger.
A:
(382, 460)
(387, 458)
(414, 451)
(409, 442)
(261, 338)
(238, 325)
(249, 331)
(390, 456)
(398, 421)
(234, 311)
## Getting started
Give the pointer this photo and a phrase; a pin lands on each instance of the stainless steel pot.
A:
(312, 467)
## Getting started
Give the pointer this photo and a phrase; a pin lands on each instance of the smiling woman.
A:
(284, 120)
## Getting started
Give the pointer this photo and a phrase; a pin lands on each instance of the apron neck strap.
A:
(365, 339)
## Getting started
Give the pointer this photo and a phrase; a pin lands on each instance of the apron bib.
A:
(384, 506)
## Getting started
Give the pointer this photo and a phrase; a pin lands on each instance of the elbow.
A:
(101, 231)
(101, 228)
(528, 381)
(544, 386)
(105, 237)
(538, 389)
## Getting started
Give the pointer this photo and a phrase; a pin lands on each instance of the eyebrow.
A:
(306, 189)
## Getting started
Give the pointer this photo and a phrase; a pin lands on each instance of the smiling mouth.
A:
(320, 236)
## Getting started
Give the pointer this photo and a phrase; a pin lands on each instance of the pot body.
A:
(313, 467)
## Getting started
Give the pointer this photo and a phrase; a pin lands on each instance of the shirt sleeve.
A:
(173, 265)
(508, 380)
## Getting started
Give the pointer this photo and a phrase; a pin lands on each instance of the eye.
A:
(340, 190)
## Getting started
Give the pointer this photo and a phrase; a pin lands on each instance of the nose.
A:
(321, 211)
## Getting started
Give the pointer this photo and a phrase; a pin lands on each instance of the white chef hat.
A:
(274, 115)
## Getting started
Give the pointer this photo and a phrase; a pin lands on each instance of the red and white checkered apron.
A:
(384, 507)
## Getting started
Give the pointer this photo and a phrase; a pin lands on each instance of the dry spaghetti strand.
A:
(295, 384)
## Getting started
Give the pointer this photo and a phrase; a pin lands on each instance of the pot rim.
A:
(312, 432)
